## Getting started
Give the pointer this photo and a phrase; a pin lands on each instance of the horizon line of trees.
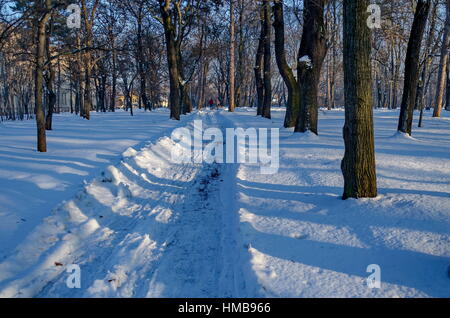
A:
(325, 53)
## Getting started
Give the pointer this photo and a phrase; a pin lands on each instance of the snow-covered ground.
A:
(139, 225)
(32, 183)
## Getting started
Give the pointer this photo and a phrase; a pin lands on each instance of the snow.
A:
(32, 183)
(307, 60)
(108, 197)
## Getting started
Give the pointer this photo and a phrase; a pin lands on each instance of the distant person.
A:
(211, 103)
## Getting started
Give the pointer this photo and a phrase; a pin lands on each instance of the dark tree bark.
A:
(447, 99)
(141, 59)
(232, 70)
(311, 55)
(259, 67)
(49, 82)
(358, 165)
(267, 61)
(412, 63)
(43, 14)
(293, 103)
(172, 60)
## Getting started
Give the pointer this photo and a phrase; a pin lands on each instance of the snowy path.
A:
(148, 227)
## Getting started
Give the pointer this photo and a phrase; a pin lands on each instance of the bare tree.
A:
(293, 103)
(232, 99)
(412, 67)
(358, 165)
(442, 65)
(313, 49)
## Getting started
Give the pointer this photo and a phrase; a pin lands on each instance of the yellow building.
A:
(121, 100)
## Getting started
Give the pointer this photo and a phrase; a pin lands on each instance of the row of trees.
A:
(183, 52)
(134, 32)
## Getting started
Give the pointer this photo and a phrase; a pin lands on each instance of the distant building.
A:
(120, 103)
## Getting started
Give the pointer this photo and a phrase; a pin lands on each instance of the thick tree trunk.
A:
(412, 67)
(293, 103)
(172, 60)
(412, 63)
(267, 61)
(311, 55)
(232, 70)
(358, 165)
(442, 66)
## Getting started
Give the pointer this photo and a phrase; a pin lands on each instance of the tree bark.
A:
(259, 82)
(88, 62)
(421, 87)
(141, 60)
(43, 15)
(172, 60)
(358, 165)
(442, 66)
(447, 99)
(267, 61)
(232, 70)
(50, 83)
(293, 103)
(412, 63)
(313, 47)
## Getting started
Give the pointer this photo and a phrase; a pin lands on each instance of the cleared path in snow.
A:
(146, 228)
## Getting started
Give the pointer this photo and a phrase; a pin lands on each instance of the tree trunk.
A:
(267, 61)
(293, 103)
(172, 60)
(259, 82)
(442, 66)
(50, 83)
(39, 76)
(311, 55)
(421, 87)
(141, 61)
(358, 165)
(447, 99)
(232, 98)
(112, 106)
(412, 63)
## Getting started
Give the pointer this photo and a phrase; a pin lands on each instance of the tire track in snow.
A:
(200, 259)
(156, 229)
